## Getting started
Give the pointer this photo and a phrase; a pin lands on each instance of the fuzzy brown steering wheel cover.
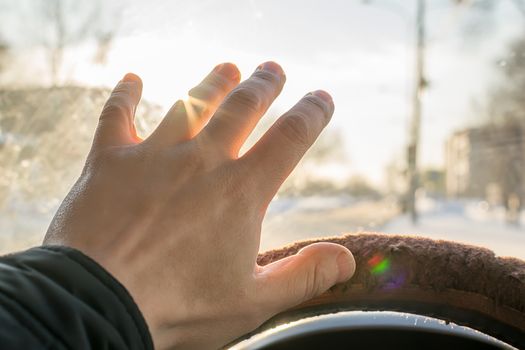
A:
(435, 272)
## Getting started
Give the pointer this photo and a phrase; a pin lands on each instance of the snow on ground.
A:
(468, 221)
(299, 218)
(292, 219)
(471, 222)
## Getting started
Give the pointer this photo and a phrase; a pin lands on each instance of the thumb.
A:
(309, 273)
(116, 126)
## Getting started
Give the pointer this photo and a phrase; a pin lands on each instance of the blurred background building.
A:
(487, 162)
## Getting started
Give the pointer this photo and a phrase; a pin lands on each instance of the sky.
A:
(360, 51)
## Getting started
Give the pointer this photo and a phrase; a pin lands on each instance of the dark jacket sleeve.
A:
(58, 298)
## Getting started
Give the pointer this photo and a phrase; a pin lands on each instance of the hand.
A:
(176, 218)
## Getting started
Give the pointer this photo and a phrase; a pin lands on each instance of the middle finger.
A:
(243, 107)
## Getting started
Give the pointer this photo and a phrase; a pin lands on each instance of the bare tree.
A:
(43, 145)
(520, 4)
(504, 130)
(104, 41)
(69, 23)
(4, 54)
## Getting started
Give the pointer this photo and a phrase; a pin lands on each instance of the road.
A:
(468, 222)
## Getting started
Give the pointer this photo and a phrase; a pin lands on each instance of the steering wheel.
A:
(407, 292)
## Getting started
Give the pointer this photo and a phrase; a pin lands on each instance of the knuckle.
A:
(267, 77)
(116, 105)
(247, 97)
(193, 160)
(209, 87)
(314, 282)
(101, 160)
(320, 280)
(187, 158)
(217, 81)
(317, 103)
(295, 128)
(238, 191)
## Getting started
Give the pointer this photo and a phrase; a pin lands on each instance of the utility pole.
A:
(415, 122)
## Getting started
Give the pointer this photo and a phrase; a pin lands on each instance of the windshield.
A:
(427, 137)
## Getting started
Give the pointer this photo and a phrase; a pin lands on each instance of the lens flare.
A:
(194, 108)
(378, 264)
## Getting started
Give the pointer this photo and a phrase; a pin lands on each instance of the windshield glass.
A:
(427, 137)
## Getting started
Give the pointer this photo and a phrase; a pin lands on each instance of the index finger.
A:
(279, 150)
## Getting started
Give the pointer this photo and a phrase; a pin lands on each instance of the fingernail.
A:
(327, 104)
(346, 265)
(131, 78)
(323, 95)
(227, 70)
(272, 67)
